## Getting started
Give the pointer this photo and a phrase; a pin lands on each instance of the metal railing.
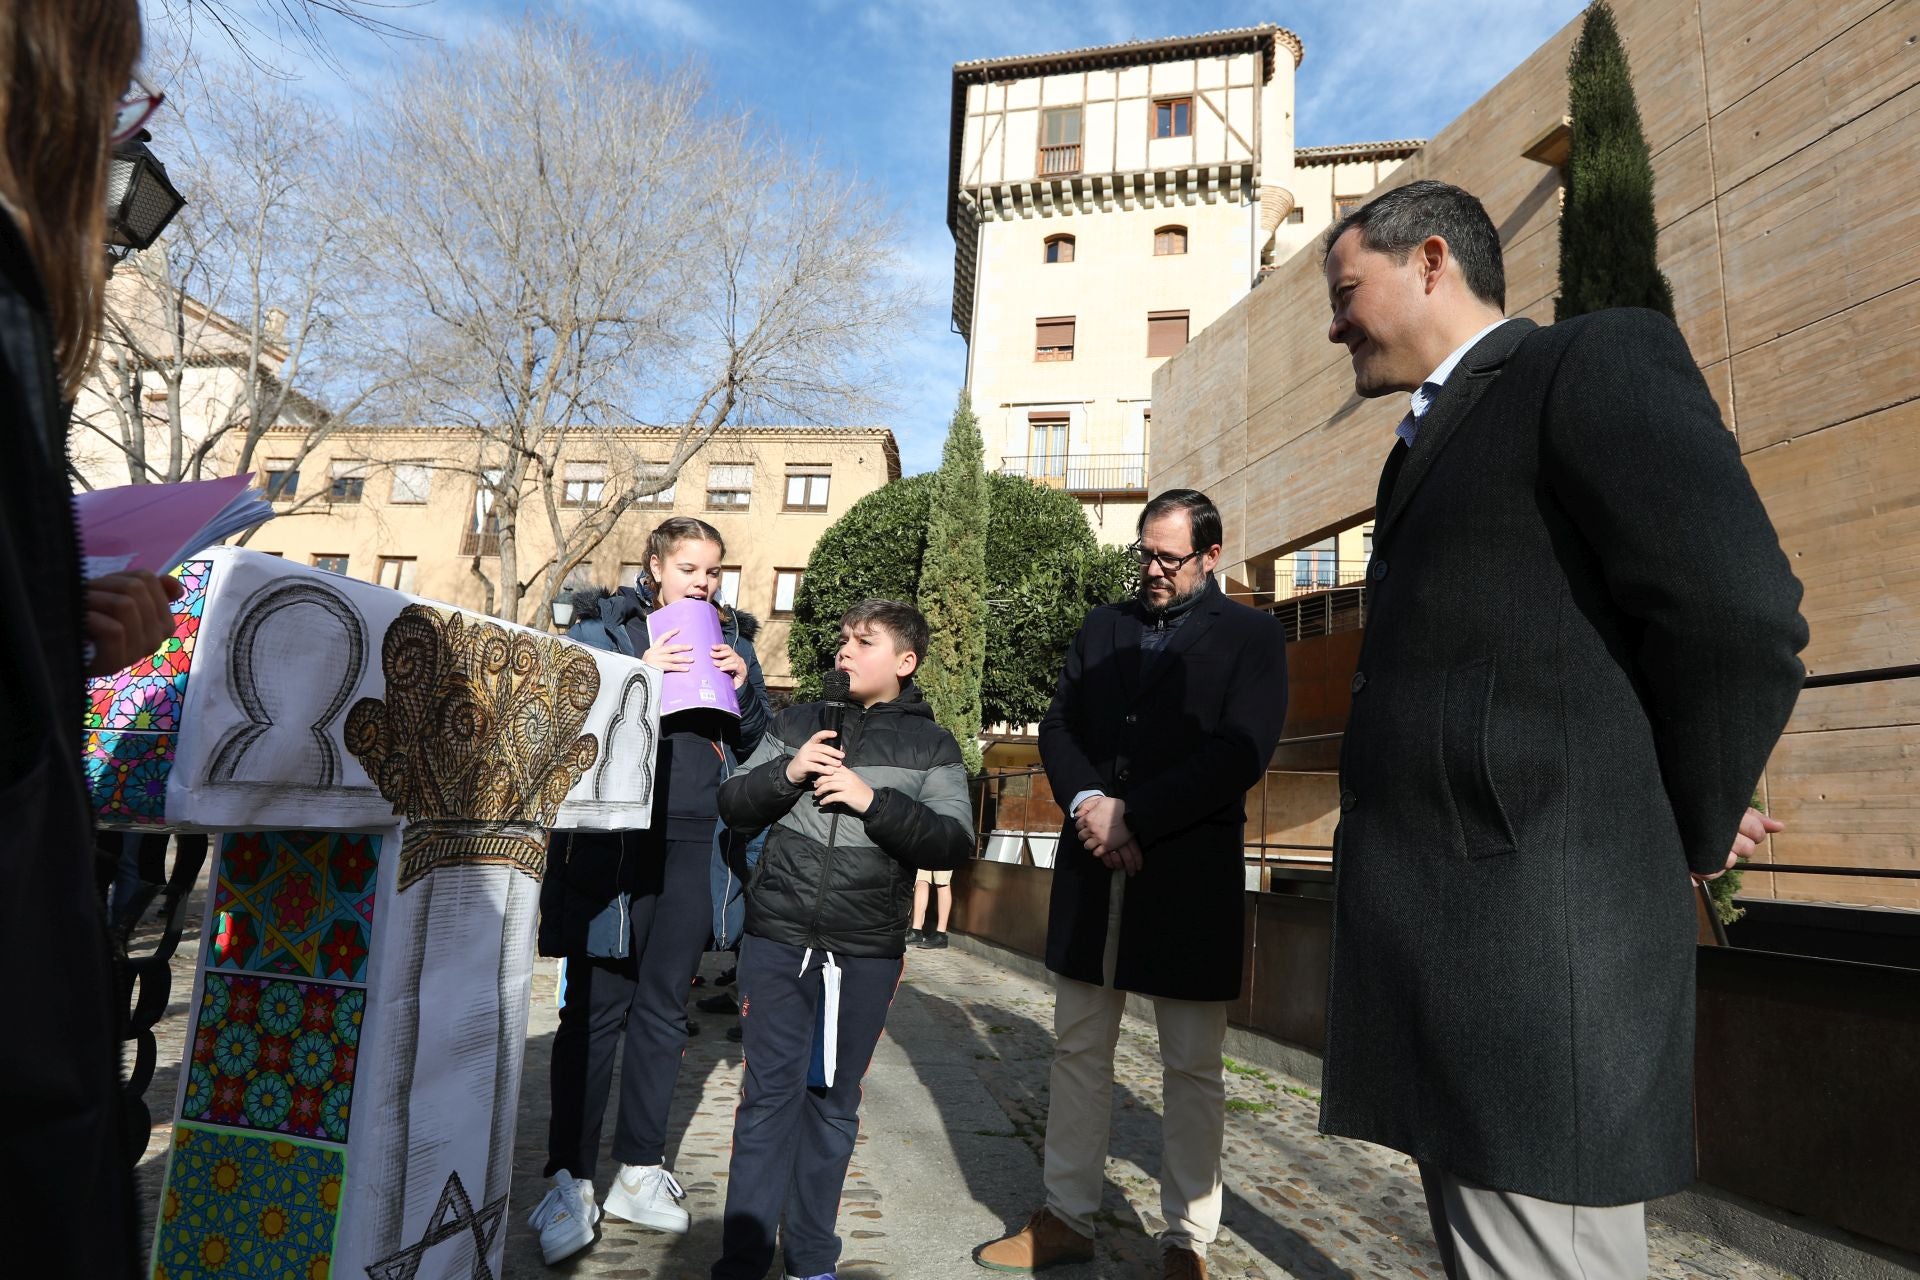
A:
(1061, 159)
(1083, 473)
(1322, 575)
(1322, 611)
(475, 543)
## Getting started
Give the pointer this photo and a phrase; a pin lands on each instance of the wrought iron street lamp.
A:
(141, 201)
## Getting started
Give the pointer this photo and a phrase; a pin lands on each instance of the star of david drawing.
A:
(451, 1218)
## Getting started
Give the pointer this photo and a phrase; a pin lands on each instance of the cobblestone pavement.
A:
(949, 1152)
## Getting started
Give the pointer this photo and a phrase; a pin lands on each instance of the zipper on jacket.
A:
(826, 862)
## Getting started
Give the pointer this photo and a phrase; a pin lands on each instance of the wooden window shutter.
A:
(1166, 332)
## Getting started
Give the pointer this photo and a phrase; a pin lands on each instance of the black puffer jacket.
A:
(834, 879)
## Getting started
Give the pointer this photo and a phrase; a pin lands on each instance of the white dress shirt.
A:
(1427, 392)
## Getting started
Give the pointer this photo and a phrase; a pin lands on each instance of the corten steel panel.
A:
(1804, 1088)
(1292, 942)
(1320, 683)
(1003, 904)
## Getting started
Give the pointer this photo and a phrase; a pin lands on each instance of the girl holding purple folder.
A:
(632, 911)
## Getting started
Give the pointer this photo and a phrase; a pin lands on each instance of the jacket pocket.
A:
(1480, 826)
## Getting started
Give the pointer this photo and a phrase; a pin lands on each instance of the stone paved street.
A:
(949, 1152)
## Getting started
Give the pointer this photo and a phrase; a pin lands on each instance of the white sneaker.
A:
(648, 1195)
(565, 1217)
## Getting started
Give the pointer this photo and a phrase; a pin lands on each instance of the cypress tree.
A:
(953, 584)
(1608, 255)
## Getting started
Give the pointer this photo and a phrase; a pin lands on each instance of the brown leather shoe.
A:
(1044, 1242)
(1182, 1264)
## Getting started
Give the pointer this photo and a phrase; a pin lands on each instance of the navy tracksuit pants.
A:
(639, 1001)
(791, 1143)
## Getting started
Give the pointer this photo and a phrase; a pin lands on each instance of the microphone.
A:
(836, 690)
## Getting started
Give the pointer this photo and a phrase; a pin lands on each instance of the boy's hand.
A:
(669, 657)
(844, 786)
(730, 662)
(813, 758)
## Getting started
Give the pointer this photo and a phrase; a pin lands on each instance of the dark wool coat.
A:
(69, 1209)
(1182, 745)
(1579, 653)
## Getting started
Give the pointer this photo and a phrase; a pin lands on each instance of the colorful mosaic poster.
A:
(239, 1204)
(147, 695)
(295, 902)
(275, 1055)
(127, 775)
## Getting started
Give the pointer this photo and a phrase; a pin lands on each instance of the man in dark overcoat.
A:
(1166, 715)
(1580, 650)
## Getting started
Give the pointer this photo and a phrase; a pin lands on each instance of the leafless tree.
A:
(219, 331)
(585, 245)
(247, 25)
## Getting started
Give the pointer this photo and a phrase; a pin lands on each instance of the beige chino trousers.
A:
(1086, 1026)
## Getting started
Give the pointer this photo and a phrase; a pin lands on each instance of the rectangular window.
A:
(1166, 332)
(807, 488)
(582, 484)
(283, 480)
(482, 536)
(1173, 118)
(1296, 214)
(1047, 446)
(730, 585)
(1316, 566)
(1059, 141)
(1053, 338)
(412, 483)
(349, 481)
(1344, 205)
(647, 474)
(786, 586)
(396, 572)
(331, 563)
(729, 486)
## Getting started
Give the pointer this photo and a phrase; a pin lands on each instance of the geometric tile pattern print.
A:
(148, 694)
(275, 1055)
(133, 716)
(295, 902)
(240, 1204)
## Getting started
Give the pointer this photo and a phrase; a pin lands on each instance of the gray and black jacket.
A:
(834, 879)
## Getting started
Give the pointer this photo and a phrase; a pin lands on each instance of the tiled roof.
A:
(1339, 151)
(1105, 52)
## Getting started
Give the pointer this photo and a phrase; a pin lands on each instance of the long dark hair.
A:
(64, 64)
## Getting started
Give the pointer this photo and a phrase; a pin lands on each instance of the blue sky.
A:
(867, 83)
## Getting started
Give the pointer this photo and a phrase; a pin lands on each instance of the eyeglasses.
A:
(1168, 562)
(135, 109)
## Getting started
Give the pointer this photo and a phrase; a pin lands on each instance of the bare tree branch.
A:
(583, 246)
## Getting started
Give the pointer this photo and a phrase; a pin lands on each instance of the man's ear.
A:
(1434, 256)
(1210, 559)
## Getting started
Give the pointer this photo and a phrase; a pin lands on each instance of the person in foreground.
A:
(631, 910)
(64, 1158)
(1580, 650)
(853, 815)
(1166, 715)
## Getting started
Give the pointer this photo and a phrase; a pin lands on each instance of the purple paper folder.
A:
(703, 685)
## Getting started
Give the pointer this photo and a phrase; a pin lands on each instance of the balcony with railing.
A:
(1060, 160)
(1085, 475)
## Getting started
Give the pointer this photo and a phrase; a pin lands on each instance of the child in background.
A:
(632, 911)
(941, 885)
(853, 817)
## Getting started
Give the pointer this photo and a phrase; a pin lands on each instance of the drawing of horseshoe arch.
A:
(287, 735)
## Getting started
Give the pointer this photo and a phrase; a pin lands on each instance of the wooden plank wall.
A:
(1786, 143)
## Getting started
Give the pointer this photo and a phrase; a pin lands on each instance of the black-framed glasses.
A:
(1169, 563)
(141, 101)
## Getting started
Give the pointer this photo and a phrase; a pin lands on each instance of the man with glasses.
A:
(1165, 717)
